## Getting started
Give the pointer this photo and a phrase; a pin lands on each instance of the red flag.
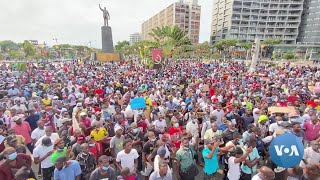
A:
(156, 55)
(43, 52)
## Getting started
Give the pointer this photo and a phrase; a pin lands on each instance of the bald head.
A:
(266, 173)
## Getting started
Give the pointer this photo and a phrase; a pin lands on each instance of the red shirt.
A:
(143, 126)
(292, 99)
(24, 130)
(94, 150)
(176, 132)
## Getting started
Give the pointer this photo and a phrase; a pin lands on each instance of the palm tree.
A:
(170, 38)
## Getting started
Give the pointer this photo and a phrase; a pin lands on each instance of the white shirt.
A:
(37, 133)
(40, 151)
(310, 156)
(218, 114)
(234, 169)
(160, 124)
(193, 128)
(256, 177)
(255, 115)
(22, 107)
(274, 126)
(53, 138)
(127, 160)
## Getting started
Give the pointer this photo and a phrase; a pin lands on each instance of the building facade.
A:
(310, 23)
(135, 37)
(185, 14)
(250, 19)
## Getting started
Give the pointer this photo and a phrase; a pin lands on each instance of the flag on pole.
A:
(156, 55)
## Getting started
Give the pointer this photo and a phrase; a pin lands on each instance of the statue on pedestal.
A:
(106, 15)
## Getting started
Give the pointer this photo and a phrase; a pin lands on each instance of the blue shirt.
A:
(222, 126)
(210, 165)
(252, 156)
(32, 120)
(69, 173)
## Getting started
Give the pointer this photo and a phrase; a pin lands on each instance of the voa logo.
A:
(286, 150)
(293, 150)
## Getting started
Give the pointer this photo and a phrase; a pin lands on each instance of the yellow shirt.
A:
(99, 135)
(210, 134)
(46, 102)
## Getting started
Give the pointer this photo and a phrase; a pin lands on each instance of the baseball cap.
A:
(57, 141)
(10, 139)
(80, 138)
(46, 141)
(161, 151)
(16, 118)
(65, 120)
(83, 114)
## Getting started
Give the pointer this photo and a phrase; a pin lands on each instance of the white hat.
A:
(117, 127)
(16, 118)
(65, 120)
(83, 113)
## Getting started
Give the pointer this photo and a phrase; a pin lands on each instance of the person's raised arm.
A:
(100, 7)
(244, 156)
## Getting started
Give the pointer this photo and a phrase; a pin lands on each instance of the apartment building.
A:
(184, 13)
(250, 19)
(135, 37)
(310, 23)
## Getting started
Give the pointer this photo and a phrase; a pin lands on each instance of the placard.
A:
(137, 103)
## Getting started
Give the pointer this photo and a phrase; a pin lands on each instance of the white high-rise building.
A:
(250, 19)
(135, 37)
(183, 13)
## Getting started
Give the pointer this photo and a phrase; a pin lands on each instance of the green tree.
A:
(121, 46)
(170, 38)
(16, 54)
(224, 45)
(246, 46)
(267, 46)
(29, 49)
(8, 45)
(289, 55)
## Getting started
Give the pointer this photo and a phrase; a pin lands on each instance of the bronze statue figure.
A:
(106, 15)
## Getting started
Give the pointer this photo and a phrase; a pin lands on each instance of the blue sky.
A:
(79, 21)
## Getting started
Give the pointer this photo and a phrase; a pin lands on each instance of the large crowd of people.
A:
(214, 121)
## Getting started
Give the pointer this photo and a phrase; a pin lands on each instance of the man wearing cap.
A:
(42, 154)
(11, 141)
(66, 124)
(61, 151)
(23, 128)
(76, 148)
(116, 143)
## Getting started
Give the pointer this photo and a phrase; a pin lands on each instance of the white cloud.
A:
(79, 21)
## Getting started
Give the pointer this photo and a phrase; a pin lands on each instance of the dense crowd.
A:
(74, 120)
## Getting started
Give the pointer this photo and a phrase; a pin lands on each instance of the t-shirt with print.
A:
(117, 144)
(148, 147)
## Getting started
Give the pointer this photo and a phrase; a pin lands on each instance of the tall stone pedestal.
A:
(107, 42)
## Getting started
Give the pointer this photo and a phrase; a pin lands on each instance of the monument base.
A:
(107, 42)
